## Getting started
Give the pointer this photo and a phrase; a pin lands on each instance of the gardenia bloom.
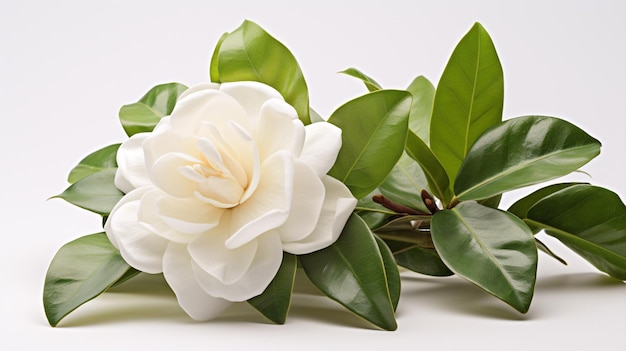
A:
(221, 188)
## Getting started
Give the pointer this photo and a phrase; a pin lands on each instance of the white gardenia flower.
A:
(221, 188)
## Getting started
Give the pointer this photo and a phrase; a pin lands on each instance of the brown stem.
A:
(429, 201)
(394, 206)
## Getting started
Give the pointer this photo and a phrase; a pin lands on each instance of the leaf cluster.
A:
(428, 166)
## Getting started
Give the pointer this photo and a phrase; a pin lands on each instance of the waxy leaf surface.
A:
(96, 192)
(374, 128)
(423, 92)
(438, 180)
(249, 53)
(491, 248)
(95, 162)
(274, 302)
(369, 82)
(405, 183)
(352, 272)
(143, 116)
(523, 151)
(81, 270)
(589, 220)
(468, 99)
(419, 259)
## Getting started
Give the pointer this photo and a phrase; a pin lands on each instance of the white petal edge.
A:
(321, 146)
(132, 172)
(191, 297)
(250, 95)
(140, 248)
(338, 205)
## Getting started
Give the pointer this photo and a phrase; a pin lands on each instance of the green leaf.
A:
(374, 128)
(352, 272)
(370, 83)
(143, 116)
(520, 207)
(419, 259)
(405, 183)
(249, 53)
(81, 270)
(523, 151)
(96, 192)
(589, 220)
(438, 180)
(391, 272)
(95, 162)
(492, 202)
(542, 247)
(423, 92)
(468, 99)
(274, 302)
(491, 248)
(213, 68)
(372, 213)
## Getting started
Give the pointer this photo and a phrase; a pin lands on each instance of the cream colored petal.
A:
(213, 257)
(251, 95)
(338, 205)
(255, 280)
(197, 88)
(132, 172)
(140, 247)
(169, 175)
(321, 146)
(275, 130)
(191, 297)
(268, 208)
(308, 198)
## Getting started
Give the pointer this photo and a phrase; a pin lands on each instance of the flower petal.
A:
(321, 146)
(131, 172)
(308, 198)
(255, 280)
(250, 95)
(168, 173)
(275, 130)
(198, 87)
(140, 248)
(268, 207)
(191, 297)
(338, 205)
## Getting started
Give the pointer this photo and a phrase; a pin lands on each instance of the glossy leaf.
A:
(369, 82)
(405, 183)
(520, 207)
(492, 202)
(523, 151)
(143, 116)
(391, 272)
(545, 249)
(81, 270)
(274, 302)
(372, 213)
(213, 68)
(491, 248)
(96, 192)
(352, 272)
(95, 162)
(249, 53)
(374, 128)
(419, 259)
(438, 181)
(589, 220)
(468, 99)
(423, 92)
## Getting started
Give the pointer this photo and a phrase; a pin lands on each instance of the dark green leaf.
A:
(520, 207)
(370, 83)
(372, 213)
(249, 53)
(405, 183)
(95, 162)
(213, 68)
(143, 116)
(131, 273)
(468, 99)
(351, 271)
(391, 272)
(423, 92)
(492, 202)
(520, 152)
(419, 259)
(96, 192)
(542, 247)
(589, 220)
(274, 302)
(80, 271)
(491, 248)
(438, 180)
(374, 128)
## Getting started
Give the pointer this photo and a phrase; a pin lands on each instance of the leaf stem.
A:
(394, 206)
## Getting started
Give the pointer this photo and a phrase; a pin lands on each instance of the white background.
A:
(66, 67)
